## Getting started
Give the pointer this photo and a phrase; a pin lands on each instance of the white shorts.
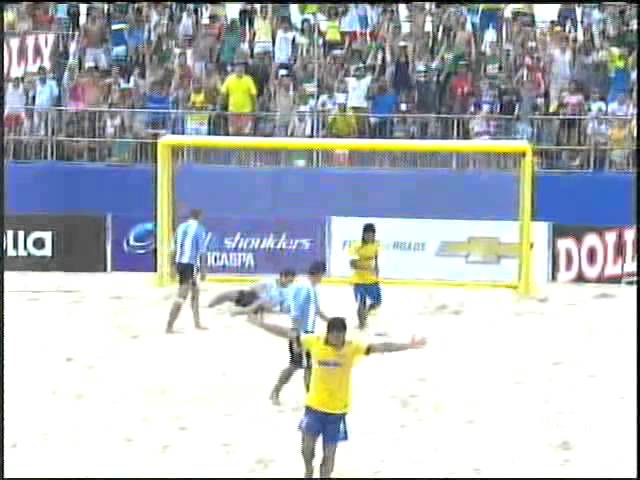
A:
(196, 128)
(262, 47)
(95, 57)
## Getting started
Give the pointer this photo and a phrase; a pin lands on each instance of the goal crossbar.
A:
(165, 182)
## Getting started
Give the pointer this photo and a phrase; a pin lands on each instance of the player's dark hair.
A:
(317, 268)
(368, 228)
(337, 325)
(288, 272)
(196, 213)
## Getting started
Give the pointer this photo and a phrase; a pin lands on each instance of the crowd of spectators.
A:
(418, 70)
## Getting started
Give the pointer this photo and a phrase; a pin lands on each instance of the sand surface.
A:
(93, 387)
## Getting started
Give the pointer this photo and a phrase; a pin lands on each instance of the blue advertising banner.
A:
(236, 245)
(133, 244)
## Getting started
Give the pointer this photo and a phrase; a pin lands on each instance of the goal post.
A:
(166, 178)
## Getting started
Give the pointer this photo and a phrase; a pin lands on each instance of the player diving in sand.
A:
(329, 394)
(267, 296)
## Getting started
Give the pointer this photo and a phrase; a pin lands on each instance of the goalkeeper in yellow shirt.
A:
(366, 283)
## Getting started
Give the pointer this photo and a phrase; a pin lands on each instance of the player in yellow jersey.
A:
(329, 395)
(364, 262)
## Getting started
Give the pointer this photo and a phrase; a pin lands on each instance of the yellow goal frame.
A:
(165, 182)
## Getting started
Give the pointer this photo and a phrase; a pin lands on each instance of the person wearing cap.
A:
(329, 395)
(303, 309)
(366, 273)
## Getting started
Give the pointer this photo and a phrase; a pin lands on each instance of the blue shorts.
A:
(332, 426)
(369, 293)
(487, 18)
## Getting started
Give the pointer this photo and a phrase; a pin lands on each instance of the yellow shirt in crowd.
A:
(198, 101)
(330, 386)
(365, 254)
(492, 6)
(343, 125)
(241, 91)
(263, 30)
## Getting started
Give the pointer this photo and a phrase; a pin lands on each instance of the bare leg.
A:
(223, 298)
(195, 306)
(328, 459)
(362, 315)
(307, 378)
(283, 379)
(308, 453)
(259, 305)
(183, 291)
(372, 308)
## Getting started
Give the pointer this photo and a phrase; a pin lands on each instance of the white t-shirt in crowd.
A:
(358, 88)
(284, 46)
(14, 100)
(620, 109)
(561, 65)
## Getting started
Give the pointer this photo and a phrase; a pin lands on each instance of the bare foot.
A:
(170, 331)
(275, 400)
(200, 327)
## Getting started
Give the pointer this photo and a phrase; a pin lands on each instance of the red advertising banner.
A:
(594, 254)
(25, 53)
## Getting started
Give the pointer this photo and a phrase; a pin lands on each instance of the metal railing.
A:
(128, 136)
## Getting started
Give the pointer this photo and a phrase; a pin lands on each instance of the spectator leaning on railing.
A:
(45, 97)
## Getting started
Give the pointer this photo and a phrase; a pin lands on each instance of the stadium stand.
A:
(104, 80)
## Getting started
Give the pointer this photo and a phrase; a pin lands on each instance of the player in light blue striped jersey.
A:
(267, 296)
(190, 248)
(304, 309)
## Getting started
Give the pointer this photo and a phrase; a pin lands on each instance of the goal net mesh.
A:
(468, 192)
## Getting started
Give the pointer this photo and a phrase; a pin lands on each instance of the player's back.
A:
(190, 242)
(303, 305)
(272, 291)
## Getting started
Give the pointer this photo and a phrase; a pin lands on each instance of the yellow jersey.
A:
(343, 125)
(492, 6)
(333, 34)
(330, 386)
(263, 30)
(241, 91)
(198, 102)
(365, 254)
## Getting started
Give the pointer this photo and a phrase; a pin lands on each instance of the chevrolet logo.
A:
(480, 250)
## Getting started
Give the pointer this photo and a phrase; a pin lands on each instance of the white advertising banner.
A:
(441, 250)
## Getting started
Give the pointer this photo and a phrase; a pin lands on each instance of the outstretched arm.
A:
(277, 330)
(390, 347)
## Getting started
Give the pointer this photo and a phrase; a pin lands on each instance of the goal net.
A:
(447, 212)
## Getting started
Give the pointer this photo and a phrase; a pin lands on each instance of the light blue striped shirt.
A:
(191, 242)
(304, 306)
(277, 296)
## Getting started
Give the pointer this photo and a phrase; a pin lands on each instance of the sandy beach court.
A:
(94, 388)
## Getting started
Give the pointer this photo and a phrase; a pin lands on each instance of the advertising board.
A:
(594, 254)
(56, 243)
(235, 245)
(441, 250)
